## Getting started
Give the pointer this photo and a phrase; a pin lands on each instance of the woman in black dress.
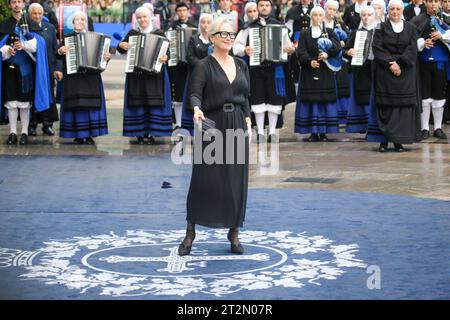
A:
(219, 90)
(395, 50)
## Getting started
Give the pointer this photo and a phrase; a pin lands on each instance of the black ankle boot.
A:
(383, 147)
(185, 247)
(398, 147)
(235, 245)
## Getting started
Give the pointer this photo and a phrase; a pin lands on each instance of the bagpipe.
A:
(325, 44)
(440, 26)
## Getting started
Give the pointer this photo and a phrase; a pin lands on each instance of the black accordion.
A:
(86, 52)
(145, 51)
(179, 40)
(268, 44)
(363, 44)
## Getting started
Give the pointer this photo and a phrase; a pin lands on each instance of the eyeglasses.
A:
(225, 34)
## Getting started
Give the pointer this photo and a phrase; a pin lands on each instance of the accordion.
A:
(86, 52)
(179, 40)
(268, 43)
(363, 43)
(145, 51)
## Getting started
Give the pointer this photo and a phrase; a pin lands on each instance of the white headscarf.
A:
(247, 6)
(395, 2)
(145, 10)
(77, 14)
(202, 16)
(373, 21)
(330, 3)
(316, 8)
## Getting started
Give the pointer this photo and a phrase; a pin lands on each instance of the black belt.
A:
(228, 107)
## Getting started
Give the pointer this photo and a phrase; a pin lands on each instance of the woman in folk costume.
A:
(147, 105)
(342, 77)
(83, 109)
(361, 80)
(380, 10)
(316, 110)
(199, 47)
(395, 104)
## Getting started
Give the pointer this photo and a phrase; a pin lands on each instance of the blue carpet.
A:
(103, 228)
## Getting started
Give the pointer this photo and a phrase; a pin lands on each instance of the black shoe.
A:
(151, 140)
(12, 139)
(383, 147)
(425, 134)
(185, 247)
(313, 137)
(140, 140)
(398, 147)
(89, 141)
(78, 140)
(323, 137)
(23, 139)
(438, 133)
(32, 131)
(273, 138)
(48, 130)
(235, 245)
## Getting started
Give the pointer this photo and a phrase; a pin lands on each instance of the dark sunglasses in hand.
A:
(225, 34)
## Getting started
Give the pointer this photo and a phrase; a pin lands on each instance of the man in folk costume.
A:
(433, 57)
(24, 77)
(415, 8)
(178, 73)
(268, 80)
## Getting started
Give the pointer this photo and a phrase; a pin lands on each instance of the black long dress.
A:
(396, 98)
(218, 192)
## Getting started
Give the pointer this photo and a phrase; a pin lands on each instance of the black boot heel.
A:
(235, 246)
(185, 247)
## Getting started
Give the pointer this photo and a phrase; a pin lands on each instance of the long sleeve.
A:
(240, 43)
(408, 58)
(302, 50)
(246, 106)
(190, 55)
(197, 84)
(379, 51)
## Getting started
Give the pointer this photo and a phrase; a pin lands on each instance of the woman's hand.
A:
(58, 75)
(163, 59)
(107, 56)
(315, 64)
(289, 49)
(63, 50)
(124, 45)
(248, 50)
(323, 56)
(352, 52)
(198, 115)
(395, 68)
(249, 128)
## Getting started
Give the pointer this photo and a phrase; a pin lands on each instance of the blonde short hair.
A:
(217, 24)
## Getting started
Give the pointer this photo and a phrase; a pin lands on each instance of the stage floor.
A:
(335, 220)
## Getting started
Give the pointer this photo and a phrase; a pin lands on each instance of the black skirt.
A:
(217, 195)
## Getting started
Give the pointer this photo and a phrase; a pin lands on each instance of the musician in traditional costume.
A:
(251, 13)
(178, 73)
(48, 32)
(147, 104)
(298, 18)
(217, 195)
(380, 10)
(415, 8)
(396, 104)
(24, 74)
(342, 77)
(83, 109)
(433, 60)
(269, 81)
(199, 47)
(316, 110)
(352, 16)
(361, 80)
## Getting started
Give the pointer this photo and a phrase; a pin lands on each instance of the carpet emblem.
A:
(146, 262)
